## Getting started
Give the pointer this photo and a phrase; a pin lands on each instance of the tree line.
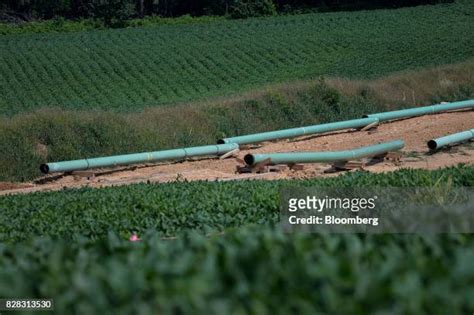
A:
(108, 10)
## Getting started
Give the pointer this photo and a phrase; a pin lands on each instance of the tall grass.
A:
(27, 140)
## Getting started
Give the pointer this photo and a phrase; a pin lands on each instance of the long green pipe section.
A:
(438, 143)
(418, 111)
(176, 154)
(322, 157)
(347, 124)
(300, 131)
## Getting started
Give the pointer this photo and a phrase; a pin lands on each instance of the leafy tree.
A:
(113, 13)
(248, 8)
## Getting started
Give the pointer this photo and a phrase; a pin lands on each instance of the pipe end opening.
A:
(365, 116)
(249, 159)
(44, 168)
(221, 141)
(432, 145)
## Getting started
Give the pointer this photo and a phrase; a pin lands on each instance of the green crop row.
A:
(250, 271)
(129, 69)
(171, 209)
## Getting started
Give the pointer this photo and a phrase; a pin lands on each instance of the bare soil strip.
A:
(414, 131)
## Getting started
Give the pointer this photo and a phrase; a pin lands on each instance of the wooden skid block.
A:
(260, 166)
(296, 167)
(275, 168)
(392, 156)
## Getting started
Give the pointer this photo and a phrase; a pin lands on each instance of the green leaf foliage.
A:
(252, 270)
(228, 256)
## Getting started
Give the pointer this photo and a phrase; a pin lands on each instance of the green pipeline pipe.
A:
(418, 111)
(322, 157)
(347, 124)
(301, 131)
(107, 161)
(438, 143)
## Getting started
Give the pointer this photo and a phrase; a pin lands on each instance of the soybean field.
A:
(129, 69)
(214, 248)
(171, 209)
